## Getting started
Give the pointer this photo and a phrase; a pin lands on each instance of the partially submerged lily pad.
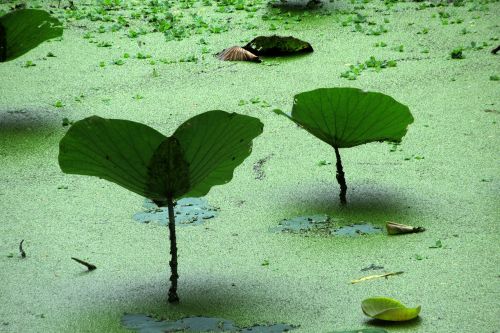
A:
(145, 324)
(188, 211)
(277, 46)
(388, 309)
(357, 229)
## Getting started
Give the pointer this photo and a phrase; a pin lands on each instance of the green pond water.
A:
(122, 60)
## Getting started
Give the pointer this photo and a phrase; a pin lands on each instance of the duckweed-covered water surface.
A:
(184, 104)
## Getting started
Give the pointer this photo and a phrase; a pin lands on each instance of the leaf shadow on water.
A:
(208, 297)
(376, 206)
(278, 60)
(410, 324)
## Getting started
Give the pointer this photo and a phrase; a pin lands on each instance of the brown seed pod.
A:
(237, 53)
(394, 228)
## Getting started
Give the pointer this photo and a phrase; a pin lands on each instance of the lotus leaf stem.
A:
(341, 178)
(172, 293)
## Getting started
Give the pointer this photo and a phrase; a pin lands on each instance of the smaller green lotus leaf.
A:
(347, 117)
(364, 330)
(388, 309)
(168, 171)
(23, 30)
(117, 150)
(277, 46)
(214, 144)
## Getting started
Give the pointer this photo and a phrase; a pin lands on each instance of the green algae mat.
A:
(273, 250)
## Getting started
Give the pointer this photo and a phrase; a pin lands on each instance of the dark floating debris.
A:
(89, 266)
(237, 53)
(145, 324)
(277, 46)
(394, 228)
(492, 111)
(495, 50)
(21, 250)
(188, 211)
(372, 267)
(258, 167)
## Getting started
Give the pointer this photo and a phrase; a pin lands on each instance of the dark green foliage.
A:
(23, 30)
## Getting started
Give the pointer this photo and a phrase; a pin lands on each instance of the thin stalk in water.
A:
(172, 292)
(341, 178)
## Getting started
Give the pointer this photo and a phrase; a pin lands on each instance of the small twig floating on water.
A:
(84, 263)
(371, 277)
(23, 254)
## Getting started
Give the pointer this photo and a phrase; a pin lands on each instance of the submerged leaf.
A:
(388, 309)
(364, 330)
(23, 30)
(277, 46)
(347, 117)
(237, 53)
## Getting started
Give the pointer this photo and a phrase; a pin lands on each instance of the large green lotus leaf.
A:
(388, 309)
(168, 171)
(23, 30)
(277, 46)
(347, 117)
(214, 144)
(117, 150)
